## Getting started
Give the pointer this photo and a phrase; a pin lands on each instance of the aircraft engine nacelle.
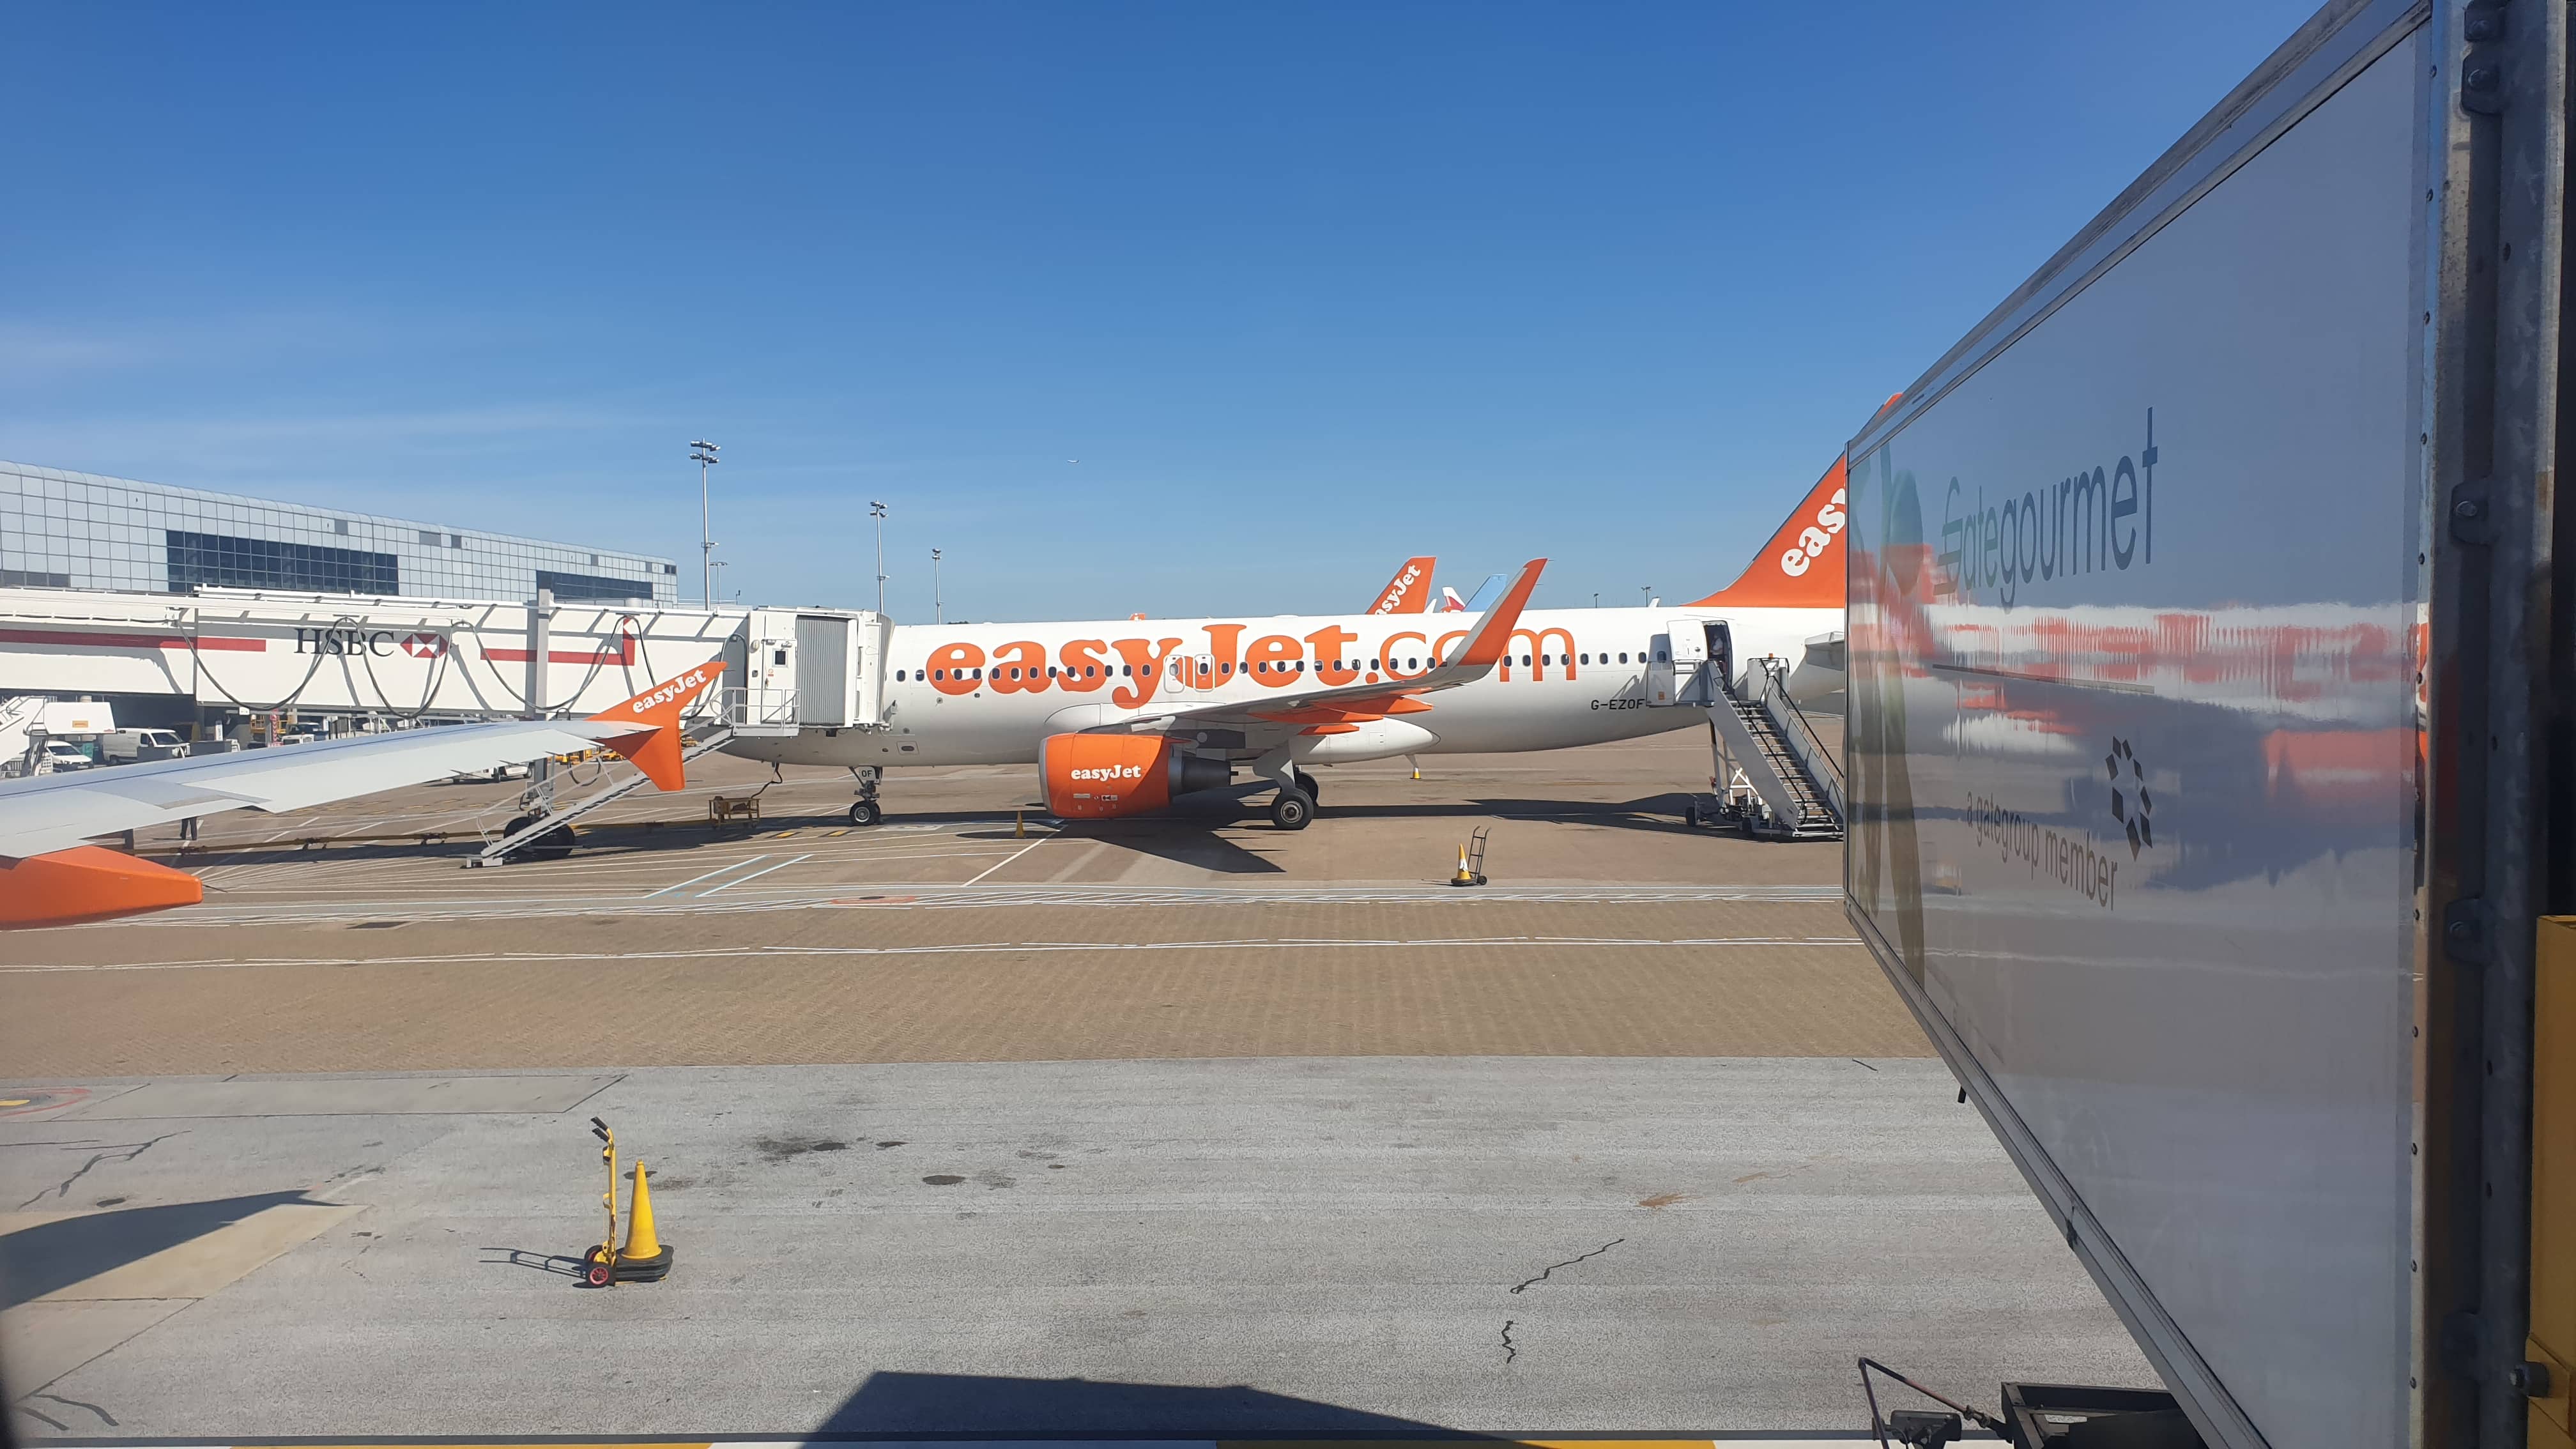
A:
(1093, 777)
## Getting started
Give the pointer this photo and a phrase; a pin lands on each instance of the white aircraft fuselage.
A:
(990, 694)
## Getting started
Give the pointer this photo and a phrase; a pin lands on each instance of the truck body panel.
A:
(2148, 737)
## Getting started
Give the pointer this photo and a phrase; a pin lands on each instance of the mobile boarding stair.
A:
(1763, 744)
(545, 832)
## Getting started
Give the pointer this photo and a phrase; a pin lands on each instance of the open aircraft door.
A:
(1678, 654)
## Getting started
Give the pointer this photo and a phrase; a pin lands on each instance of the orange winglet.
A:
(1408, 705)
(1495, 636)
(1331, 729)
(89, 883)
(654, 745)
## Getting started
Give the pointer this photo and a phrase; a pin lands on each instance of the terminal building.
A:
(83, 531)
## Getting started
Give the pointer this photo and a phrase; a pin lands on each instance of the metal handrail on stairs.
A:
(1799, 733)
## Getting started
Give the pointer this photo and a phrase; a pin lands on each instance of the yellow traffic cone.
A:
(645, 1257)
(1464, 877)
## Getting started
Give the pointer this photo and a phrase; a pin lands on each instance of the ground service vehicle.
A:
(60, 755)
(2210, 666)
(125, 747)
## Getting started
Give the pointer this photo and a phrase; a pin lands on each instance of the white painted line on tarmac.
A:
(710, 875)
(1014, 855)
(755, 875)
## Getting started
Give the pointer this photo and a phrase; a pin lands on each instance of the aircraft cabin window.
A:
(939, 674)
(1090, 669)
(1413, 664)
(1226, 668)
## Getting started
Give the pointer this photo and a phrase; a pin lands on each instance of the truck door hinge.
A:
(2472, 514)
(2482, 73)
(2464, 931)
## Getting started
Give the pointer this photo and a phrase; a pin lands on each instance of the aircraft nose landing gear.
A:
(865, 811)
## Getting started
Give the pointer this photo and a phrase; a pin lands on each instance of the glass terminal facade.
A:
(83, 531)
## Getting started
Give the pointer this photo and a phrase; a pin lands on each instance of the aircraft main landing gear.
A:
(1292, 809)
(1314, 792)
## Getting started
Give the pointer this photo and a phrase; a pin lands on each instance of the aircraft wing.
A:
(54, 812)
(1294, 710)
(51, 815)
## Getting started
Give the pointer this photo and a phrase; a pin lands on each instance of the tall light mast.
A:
(704, 453)
(877, 511)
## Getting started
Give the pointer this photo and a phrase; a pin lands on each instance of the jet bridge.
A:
(807, 669)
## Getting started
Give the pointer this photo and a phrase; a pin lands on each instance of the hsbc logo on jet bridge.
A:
(1108, 772)
(643, 703)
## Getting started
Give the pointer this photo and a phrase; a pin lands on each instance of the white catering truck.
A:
(2212, 736)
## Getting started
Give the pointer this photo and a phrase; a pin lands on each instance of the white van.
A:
(125, 747)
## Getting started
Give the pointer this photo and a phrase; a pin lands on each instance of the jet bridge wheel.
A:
(555, 844)
(1292, 810)
(865, 812)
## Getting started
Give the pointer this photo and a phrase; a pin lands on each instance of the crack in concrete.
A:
(1568, 1263)
(1509, 1352)
(77, 1404)
(123, 1152)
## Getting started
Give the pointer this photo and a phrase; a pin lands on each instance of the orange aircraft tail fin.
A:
(1409, 592)
(654, 742)
(1802, 566)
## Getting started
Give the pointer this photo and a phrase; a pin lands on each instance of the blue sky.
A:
(1174, 308)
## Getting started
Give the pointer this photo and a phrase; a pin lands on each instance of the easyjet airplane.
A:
(1119, 719)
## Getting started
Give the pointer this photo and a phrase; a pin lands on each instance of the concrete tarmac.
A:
(1235, 1246)
(1179, 1125)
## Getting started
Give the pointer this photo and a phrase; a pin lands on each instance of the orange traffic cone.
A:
(645, 1257)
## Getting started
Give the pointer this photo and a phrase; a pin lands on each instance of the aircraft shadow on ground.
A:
(38, 1260)
(994, 1406)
